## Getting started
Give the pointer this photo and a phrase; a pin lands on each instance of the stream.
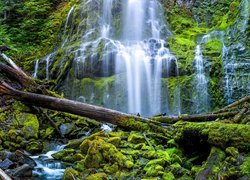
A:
(48, 168)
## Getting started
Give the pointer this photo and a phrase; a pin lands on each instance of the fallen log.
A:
(242, 112)
(193, 118)
(234, 104)
(123, 120)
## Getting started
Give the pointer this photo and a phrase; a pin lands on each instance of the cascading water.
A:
(236, 57)
(47, 167)
(201, 96)
(69, 22)
(136, 55)
(36, 69)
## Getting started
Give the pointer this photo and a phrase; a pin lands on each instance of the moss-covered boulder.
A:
(30, 126)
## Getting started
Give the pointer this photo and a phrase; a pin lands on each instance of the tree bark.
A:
(123, 120)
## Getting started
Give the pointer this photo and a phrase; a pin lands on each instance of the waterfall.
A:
(201, 96)
(36, 69)
(144, 57)
(236, 57)
(106, 18)
(244, 14)
(66, 32)
(48, 60)
(133, 51)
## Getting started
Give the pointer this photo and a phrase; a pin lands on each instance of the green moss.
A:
(31, 126)
(114, 140)
(136, 138)
(110, 168)
(219, 134)
(67, 155)
(34, 147)
(99, 176)
(232, 151)
(70, 174)
(154, 167)
(94, 157)
(47, 133)
(245, 167)
(168, 176)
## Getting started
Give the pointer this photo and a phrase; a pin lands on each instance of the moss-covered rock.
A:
(245, 167)
(31, 126)
(70, 174)
(97, 176)
(136, 138)
(34, 146)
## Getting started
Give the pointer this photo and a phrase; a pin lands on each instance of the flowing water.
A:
(201, 96)
(47, 168)
(236, 57)
(36, 69)
(137, 54)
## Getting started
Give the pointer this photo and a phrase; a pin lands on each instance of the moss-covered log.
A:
(123, 120)
(216, 134)
(193, 118)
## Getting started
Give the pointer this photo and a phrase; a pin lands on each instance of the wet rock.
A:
(6, 164)
(21, 171)
(8, 155)
(25, 159)
(67, 128)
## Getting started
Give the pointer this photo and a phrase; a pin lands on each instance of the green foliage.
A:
(30, 27)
